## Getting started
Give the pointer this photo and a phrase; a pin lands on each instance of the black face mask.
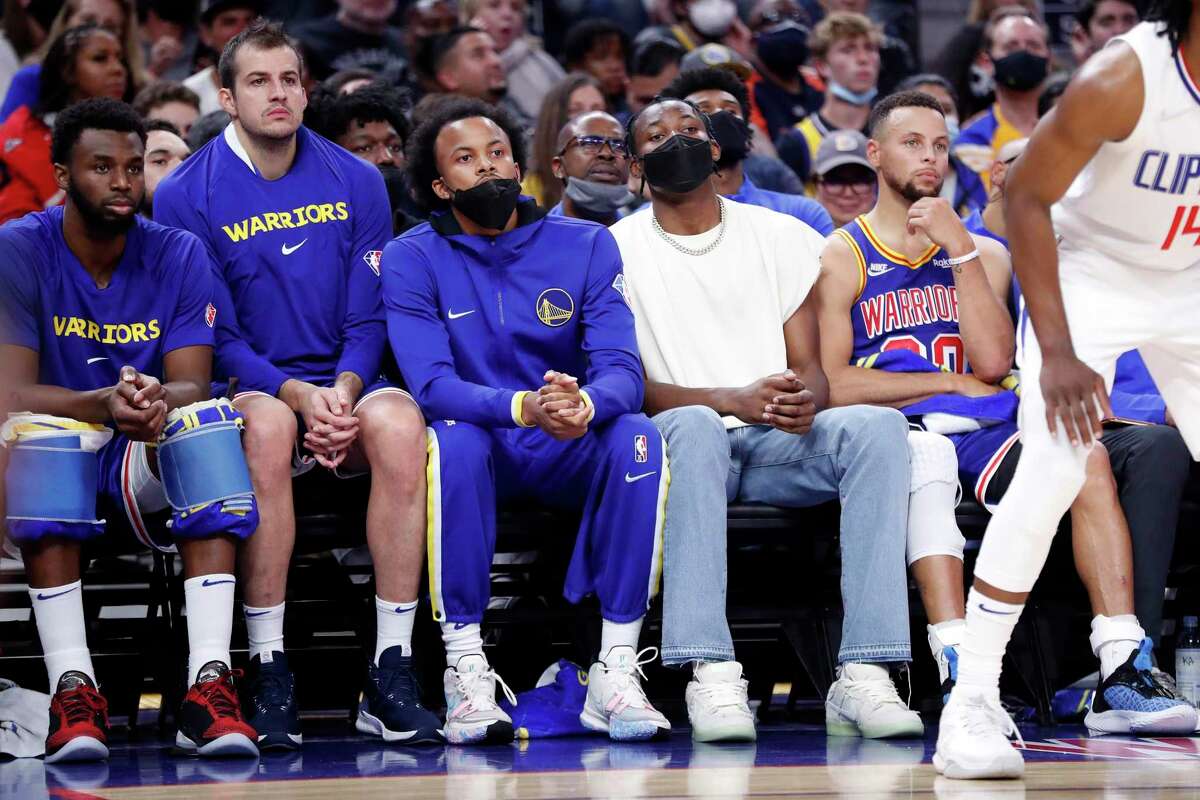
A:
(680, 165)
(1021, 71)
(733, 134)
(783, 48)
(489, 205)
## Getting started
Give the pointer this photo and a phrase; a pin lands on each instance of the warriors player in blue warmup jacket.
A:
(922, 325)
(296, 225)
(513, 330)
(107, 323)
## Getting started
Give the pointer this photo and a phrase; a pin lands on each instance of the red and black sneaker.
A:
(78, 721)
(211, 721)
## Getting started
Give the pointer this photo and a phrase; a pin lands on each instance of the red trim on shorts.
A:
(989, 471)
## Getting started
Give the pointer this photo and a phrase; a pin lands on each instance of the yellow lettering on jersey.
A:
(285, 219)
(256, 226)
(93, 331)
(238, 232)
(60, 325)
(108, 335)
(77, 328)
(139, 332)
(343, 211)
(326, 212)
(272, 220)
(120, 333)
(313, 213)
(124, 334)
(152, 328)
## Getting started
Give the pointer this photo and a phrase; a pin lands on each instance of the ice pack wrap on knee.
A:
(204, 473)
(53, 471)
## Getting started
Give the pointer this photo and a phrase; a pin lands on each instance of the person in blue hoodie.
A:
(513, 331)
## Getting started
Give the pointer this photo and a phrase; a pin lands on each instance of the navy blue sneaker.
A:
(391, 705)
(269, 703)
(1132, 700)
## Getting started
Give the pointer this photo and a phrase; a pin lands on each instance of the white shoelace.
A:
(982, 716)
(479, 691)
(627, 690)
(882, 692)
(723, 695)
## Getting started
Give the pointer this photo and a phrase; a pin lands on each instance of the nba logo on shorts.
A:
(641, 453)
(373, 257)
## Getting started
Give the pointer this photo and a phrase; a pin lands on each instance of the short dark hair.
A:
(585, 35)
(421, 151)
(431, 52)
(339, 79)
(159, 93)
(1176, 16)
(653, 57)
(161, 125)
(207, 127)
(884, 108)
(631, 125)
(98, 114)
(262, 35)
(55, 81)
(707, 79)
(1087, 10)
(911, 83)
(333, 114)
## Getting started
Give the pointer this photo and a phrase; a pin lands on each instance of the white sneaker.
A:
(863, 702)
(616, 703)
(973, 738)
(718, 705)
(472, 716)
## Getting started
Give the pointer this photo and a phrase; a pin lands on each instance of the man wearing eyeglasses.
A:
(593, 164)
(846, 181)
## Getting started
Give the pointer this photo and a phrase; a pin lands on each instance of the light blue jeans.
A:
(856, 454)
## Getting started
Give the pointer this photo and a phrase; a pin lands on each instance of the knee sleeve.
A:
(1046, 482)
(204, 473)
(932, 527)
(52, 478)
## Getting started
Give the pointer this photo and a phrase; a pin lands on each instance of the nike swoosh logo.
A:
(635, 478)
(452, 315)
(97, 358)
(207, 582)
(287, 251)
(458, 626)
(257, 613)
(56, 594)
(400, 610)
(982, 607)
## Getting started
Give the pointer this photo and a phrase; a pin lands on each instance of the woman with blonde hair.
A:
(530, 70)
(118, 16)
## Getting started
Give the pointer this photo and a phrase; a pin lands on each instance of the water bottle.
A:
(1187, 661)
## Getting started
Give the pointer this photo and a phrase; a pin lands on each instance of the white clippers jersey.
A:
(1138, 200)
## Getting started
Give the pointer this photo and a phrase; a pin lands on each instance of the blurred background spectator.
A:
(220, 21)
(529, 71)
(170, 101)
(576, 94)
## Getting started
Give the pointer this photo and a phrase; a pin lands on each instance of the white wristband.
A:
(971, 256)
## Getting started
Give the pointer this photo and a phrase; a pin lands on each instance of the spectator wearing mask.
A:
(1097, 21)
(357, 35)
(530, 71)
(846, 182)
(963, 188)
(781, 91)
(593, 165)
(170, 101)
(165, 150)
(576, 94)
(601, 49)
(82, 62)
(1016, 49)
(116, 16)
(723, 98)
(654, 64)
(220, 21)
(845, 50)
(699, 22)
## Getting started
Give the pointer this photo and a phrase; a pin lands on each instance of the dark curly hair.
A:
(96, 114)
(421, 151)
(708, 79)
(331, 114)
(57, 80)
(1177, 16)
(884, 108)
(631, 125)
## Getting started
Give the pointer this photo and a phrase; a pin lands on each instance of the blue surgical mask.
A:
(851, 97)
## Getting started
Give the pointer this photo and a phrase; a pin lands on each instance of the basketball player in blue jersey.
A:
(1103, 222)
(296, 226)
(107, 323)
(905, 332)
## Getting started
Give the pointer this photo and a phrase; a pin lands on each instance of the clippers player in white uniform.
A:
(1114, 171)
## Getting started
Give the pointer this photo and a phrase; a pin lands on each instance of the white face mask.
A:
(713, 18)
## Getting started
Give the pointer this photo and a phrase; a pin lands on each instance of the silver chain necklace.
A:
(687, 251)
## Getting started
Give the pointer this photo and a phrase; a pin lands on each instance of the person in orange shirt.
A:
(86, 61)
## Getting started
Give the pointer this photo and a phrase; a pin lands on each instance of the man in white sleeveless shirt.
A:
(1114, 171)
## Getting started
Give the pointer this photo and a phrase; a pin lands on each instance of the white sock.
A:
(264, 631)
(462, 639)
(393, 626)
(619, 634)
(209, 603)
(58, 611)
(1113, 639)
(989, 626)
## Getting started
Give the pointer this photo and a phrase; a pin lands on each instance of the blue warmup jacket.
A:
(474, 321)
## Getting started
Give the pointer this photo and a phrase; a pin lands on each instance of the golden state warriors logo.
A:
(555, 307)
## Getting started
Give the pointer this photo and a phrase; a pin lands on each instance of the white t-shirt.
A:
(203, 83)
(716, 320)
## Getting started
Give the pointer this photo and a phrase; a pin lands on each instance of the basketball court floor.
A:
(788, 761)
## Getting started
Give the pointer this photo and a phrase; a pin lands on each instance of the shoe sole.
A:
(730, 733)
(998, 768)
(836, 724)
(620, 730)
(499, 732)
(81, 748)
(373, 726)
(280, 742)
(1177, 721)
(231, 745)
